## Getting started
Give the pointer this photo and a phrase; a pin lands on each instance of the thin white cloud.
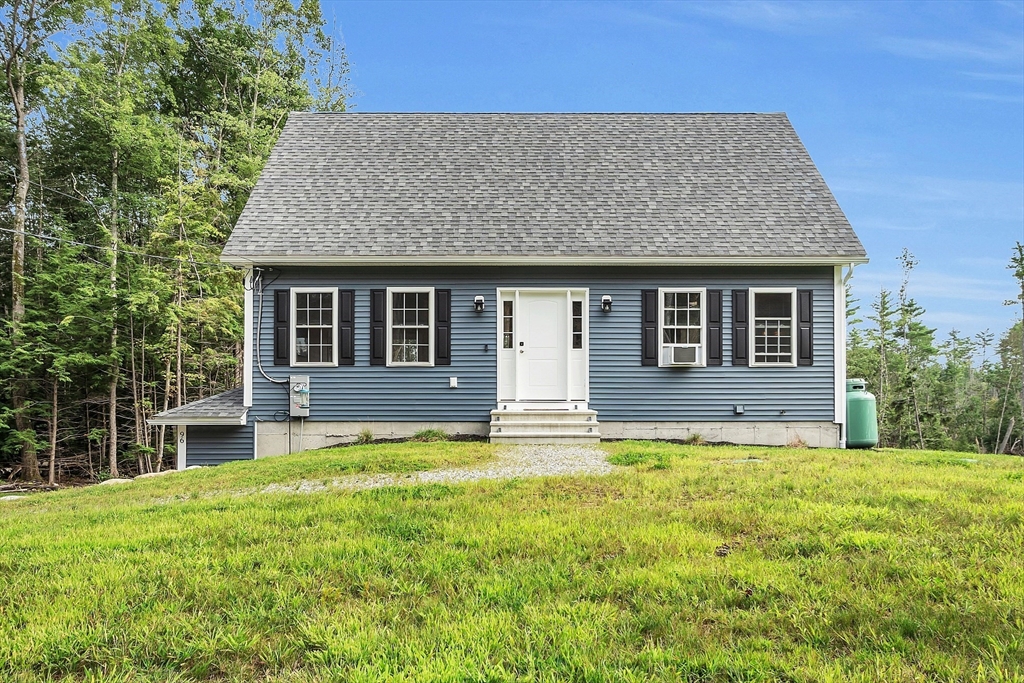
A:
(984, 262)
(937, 285)
(897, 227)
(774, 16)
(941, 198)
(994, 76)
(987, 97)
(959, 320)
(1001, 48)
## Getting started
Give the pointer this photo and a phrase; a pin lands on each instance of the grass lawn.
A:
(690, 563)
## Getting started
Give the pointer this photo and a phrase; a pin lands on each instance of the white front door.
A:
(542, 347)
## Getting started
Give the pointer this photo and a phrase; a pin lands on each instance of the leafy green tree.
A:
(25, 28)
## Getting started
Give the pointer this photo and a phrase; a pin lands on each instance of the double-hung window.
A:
(771, 332)
(315, 329)
(682, 327)
(410, 325)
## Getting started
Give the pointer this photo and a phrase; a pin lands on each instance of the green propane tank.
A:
(861, 416)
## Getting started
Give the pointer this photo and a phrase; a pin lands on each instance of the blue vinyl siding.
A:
(620, 388)
(216, 444)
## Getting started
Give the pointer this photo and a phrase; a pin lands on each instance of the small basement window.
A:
(682, 322)
(772, 329)
(411, 326)
(314, 331)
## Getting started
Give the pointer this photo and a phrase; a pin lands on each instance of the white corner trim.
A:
(839, 344)
(181, 437)
(247, 345)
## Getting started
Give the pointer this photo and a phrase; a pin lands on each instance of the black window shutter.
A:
(282, 332)
(442, 327)
(805, 327)
(346, 327)
(648, 327)
(740, 327)
(714, 346)
(378, 322)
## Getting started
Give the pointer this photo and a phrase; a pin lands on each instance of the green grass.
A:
(690, 563)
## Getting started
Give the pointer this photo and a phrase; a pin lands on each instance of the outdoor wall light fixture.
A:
(478, 303)
(606, 303)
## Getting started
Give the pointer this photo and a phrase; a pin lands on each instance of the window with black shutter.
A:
(649, 327)
(740, 327)
(282, 331)
(805, 326)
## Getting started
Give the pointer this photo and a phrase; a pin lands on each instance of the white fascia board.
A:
(223, 421)
(247, 346)
(568, 260)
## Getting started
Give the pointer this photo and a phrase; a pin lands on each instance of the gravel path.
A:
(540, 460)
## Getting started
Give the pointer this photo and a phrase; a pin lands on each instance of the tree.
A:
(158, 120)
(25, 27)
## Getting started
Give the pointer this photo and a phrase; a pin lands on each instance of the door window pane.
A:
(506, 324)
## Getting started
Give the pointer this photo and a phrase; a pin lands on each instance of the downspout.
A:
(846, 418)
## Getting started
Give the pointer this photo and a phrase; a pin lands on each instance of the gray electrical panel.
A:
(298, 395)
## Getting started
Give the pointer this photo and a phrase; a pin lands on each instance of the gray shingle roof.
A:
(225, 408)
(585, 186)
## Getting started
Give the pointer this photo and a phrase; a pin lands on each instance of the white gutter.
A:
(172, 420)
(563, 260)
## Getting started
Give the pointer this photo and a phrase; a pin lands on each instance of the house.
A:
(535, 277)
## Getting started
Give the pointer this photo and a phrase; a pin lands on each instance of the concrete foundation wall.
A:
(273, 437)
(813, 434)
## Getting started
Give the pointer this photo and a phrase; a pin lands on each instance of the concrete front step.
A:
(572, 406)
(545, 425)
(539, 427)
(574, 416)
(545, 438)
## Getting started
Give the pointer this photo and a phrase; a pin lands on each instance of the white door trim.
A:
(570, 292)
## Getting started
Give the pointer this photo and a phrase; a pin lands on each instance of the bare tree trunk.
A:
(143, 462)
(163, 428)
(115, 365)
(15, 72)
(52, 478)
(1006, 439)
(88, 442)
(917, 414)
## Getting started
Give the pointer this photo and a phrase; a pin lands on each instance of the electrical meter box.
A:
(298, 395)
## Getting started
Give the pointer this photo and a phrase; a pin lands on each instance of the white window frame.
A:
(293, 319)
(752, 324)
(662, 291)
(431, 325)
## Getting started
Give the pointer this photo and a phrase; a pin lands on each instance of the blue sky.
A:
(914, 112)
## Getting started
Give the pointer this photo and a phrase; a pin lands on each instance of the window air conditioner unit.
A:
(681, 354)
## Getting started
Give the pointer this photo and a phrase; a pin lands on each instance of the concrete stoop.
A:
(544, 426)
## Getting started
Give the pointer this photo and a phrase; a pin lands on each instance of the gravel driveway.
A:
(540, 460)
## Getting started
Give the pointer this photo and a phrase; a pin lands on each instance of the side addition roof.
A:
(535, 188)
(219, 409)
